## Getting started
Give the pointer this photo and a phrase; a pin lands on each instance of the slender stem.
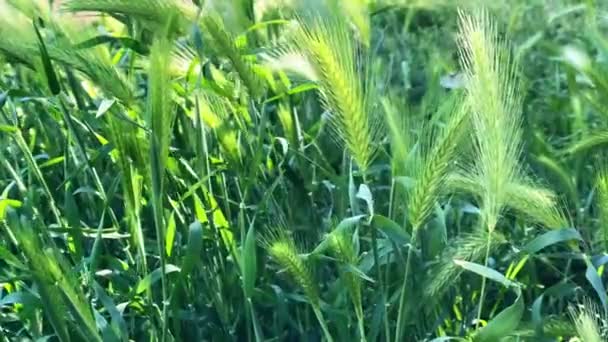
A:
(399, 328)
(38, 174)
(321, 320)
(483, 281)
(159, 223)
(381, 282)
(158, 219)
(361, 325)
(256, 326)
(387, 329)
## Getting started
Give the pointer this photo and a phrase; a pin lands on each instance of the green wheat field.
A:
(303, 170)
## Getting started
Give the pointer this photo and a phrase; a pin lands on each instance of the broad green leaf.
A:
(5, 203)
(153, 277)
(193, 249)
(249, 262)
(170, 234)
(597, 284)
(365, 194)
(503, 324)
(118, 323)
(104, 106)
(20, 297)
(344, 225)
(51, 162)
(486, 272)
(3, 98)
(359, 273)
(559, 290)
(51, 77)
(9, 258)
(126, 42)
(391, 229)
(302, 88)
(8, 129)
(550, 238)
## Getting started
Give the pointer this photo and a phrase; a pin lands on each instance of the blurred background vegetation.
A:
(285, 170)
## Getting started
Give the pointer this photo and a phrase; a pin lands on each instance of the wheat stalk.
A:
(343, 250)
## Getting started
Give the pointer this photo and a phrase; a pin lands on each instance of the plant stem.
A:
(483, 281)
(361, 325)
(399, 328)
(157, 204)
(321, 320)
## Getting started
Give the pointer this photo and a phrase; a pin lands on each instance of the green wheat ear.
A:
(154, 13)
(331, 49)
(492, 89)
(538, 204)
(159, 104)
(17, 40)
(586, 318)
(602, 200)
(224, 43)
(282, 248)
(469, 247)
(432, 171)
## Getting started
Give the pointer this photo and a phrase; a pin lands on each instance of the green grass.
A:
(371, 170)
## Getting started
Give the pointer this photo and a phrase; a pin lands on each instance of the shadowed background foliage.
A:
(284, 170)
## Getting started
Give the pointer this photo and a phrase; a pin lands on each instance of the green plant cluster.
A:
(283, 170)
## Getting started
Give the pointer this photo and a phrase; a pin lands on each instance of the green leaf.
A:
(104, 106)
(486, 272)
(559, 290)
(51, 77)
(249, 262)
(170, 234)
(21, 297)
(193, 250)
(126, 42)
(9, 258)
(391, 229)
(3, 98)
(153, 277)
(597, 284)
(118, 323)
(302, 88)
(550, 238)
(5, 203)
(51, 162)
(504, 323)
(344, 225)
(365, 194)
(358, 272)
(8, 129)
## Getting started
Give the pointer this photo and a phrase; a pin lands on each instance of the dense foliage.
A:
(282, 170)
